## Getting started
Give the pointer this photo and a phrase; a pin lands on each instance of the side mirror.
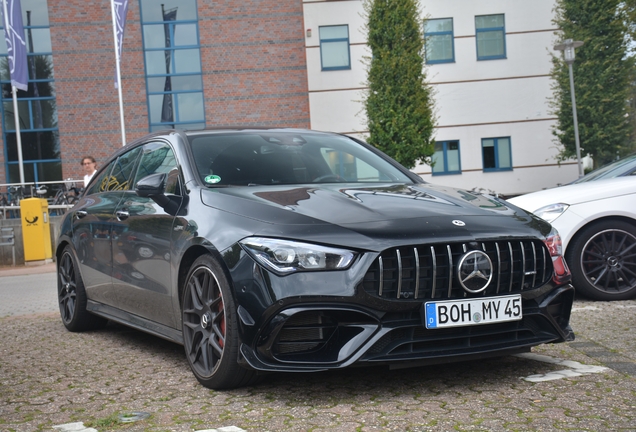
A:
(152, 185)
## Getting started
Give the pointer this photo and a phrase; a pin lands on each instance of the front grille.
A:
(429, 271)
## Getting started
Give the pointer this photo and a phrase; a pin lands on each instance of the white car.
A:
(597, 224)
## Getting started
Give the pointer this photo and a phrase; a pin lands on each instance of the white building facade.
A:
(488, 62)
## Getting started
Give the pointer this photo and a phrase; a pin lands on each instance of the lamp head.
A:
(568, 47)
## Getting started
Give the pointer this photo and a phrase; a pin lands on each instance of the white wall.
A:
(532, 158)
(474, 99)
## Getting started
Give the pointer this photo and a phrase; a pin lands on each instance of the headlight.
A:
(551, 212)
(286, 256)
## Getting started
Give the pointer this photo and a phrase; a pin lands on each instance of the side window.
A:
(446, 158)
(120, 175)
(438, 34)
(334, 47)
(491, 37)
(95, 185)
(496, 154)
(159, 158)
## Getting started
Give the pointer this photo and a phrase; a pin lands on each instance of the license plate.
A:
(456, 313)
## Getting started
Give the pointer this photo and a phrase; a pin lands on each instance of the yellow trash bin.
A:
(36, 229)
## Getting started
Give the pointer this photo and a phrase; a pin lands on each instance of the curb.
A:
(28, 269)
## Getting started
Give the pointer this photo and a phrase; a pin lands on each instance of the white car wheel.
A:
(602, 258)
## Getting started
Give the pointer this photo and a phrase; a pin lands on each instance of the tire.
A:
(72, 296)
(602, 258)
(210, 327)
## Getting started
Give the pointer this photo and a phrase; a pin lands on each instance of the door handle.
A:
(80, 214)
(122, 214)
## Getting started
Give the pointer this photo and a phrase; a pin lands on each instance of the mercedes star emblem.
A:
(474, 271)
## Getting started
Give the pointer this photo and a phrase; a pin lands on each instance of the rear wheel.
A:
(602, 258)
(210, 327)
(72, 296)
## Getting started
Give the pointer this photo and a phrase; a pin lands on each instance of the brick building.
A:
(185, 63)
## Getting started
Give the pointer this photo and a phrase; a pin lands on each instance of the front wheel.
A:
(210, 327)
(602, 258)
(72, 296)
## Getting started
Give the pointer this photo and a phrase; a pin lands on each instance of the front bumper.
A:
(371, 313)
(319, 336)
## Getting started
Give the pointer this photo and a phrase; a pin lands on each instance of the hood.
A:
(577, 193)
(392, 210)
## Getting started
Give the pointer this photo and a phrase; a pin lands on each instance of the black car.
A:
(295, 250)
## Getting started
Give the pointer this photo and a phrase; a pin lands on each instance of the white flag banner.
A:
(121, 10)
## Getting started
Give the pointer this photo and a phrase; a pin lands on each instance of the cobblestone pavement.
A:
(50, 377)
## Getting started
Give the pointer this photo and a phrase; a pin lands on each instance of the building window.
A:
(491, 37)
(36, 107)
(496, 154)
(446, 158)
(438, 34)
(173, 64)
(334, 47)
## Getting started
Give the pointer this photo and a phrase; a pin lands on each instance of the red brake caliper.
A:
(222, 323)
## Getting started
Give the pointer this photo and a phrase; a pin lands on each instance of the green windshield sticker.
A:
(212, 179)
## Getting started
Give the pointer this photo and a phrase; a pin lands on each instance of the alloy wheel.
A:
(67, 291)
(609, 261)
(204, 321)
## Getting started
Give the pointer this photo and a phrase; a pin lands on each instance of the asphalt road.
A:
(50, 377)
(27, 290)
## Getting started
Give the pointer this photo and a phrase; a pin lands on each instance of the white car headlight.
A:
(551, 212)
(286, 256)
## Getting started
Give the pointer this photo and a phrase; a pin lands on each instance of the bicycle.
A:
(16, 194)
(65, 196)
(11, 198)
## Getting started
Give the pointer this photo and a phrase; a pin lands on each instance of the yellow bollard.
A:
(36, 229)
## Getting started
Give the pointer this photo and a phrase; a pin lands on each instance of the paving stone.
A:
(50, 377)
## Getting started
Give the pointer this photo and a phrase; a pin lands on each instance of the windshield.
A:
(250, 158)
(623, 167)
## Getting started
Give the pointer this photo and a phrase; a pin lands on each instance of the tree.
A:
(399, 103)
(602, 78)
(630, 11)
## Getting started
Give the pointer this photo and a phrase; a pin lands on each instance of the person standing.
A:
(90, 166)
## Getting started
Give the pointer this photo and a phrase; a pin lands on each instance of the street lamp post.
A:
(567, 47)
